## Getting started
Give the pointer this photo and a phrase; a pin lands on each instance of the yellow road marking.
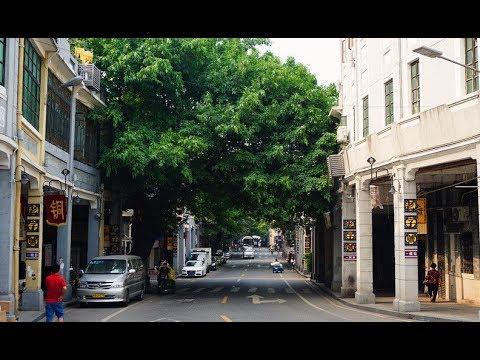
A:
(225, 298)
(226, 318)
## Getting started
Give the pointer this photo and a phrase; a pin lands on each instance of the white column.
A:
(364, 293)
(406, 248)
(349, 262)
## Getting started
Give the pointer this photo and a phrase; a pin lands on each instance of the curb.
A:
(42, 314)
(405, 315)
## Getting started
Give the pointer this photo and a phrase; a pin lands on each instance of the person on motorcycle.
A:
(162, 276)
(171, 277)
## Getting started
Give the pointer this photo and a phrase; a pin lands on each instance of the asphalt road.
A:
(242, 290)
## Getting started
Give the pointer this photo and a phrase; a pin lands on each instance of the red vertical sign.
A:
(56, 209)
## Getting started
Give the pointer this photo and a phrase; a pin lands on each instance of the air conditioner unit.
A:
(342, 135)
(460, 214)
(335, 165)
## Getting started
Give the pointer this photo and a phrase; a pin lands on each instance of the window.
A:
(58, 113)
(31, 85)
(415, 84)
(365, 116)
(2, 61)
(471, 59)
(466, 246)
(389, 102)
(86, 137)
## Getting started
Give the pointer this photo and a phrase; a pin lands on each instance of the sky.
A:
(321, 56)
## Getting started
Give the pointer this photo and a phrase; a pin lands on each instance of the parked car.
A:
(226, 254)
(112, 278)
(248, 253)
(195, 268)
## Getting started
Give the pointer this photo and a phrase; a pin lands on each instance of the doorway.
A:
(383, 251)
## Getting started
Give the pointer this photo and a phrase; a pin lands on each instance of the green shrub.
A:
(308, 262)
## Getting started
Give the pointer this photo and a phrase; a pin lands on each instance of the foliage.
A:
(213, 124)
(308, 262)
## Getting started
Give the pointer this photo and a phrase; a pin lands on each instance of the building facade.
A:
(408, 169)
(48, 146)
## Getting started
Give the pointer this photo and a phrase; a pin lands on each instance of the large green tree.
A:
(216, 126)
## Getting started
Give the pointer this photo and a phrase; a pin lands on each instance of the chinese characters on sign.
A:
(411, 239)
(308, 243)
(349, 239)
(422, 216)
(33, 210)
(410, 208)
(56, 208)
(33, 227)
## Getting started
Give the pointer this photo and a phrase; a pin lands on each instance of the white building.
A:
(409, 126)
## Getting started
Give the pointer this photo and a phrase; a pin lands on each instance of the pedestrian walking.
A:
(292, 261)
(56, 290)
(432, 280)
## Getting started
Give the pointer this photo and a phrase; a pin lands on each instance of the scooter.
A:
(166, 286)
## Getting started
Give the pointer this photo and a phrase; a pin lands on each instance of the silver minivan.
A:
(112, 278)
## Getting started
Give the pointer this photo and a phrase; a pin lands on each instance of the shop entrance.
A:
(383, 251)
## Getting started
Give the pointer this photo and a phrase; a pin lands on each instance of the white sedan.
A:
(194, 268)
(249, 253)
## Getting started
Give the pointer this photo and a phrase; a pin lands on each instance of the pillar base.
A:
(347, 292)
(32, 300)
(364, 298)
(336, 286)
(406, 306)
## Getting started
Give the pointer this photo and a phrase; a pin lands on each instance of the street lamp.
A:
(24, 179)
(433, 53)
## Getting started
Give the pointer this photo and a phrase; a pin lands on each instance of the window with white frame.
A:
(415, 85)
(471, 59)
(2, 60)
(365, 116)
(31, 85)
(389, 102)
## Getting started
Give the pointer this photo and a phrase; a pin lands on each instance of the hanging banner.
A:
(56, 209)
(422, 216)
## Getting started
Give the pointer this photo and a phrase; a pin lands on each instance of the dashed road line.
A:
(226, 318)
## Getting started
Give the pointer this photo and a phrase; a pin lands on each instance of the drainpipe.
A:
(18, 184)
(400, 83)
(355, 109)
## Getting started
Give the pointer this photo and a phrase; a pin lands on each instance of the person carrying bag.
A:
(432, 281)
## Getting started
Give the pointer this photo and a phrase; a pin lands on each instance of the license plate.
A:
(98, 296)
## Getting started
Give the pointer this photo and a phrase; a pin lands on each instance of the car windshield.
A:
(196, 256)
(191, 263)
(106, 266)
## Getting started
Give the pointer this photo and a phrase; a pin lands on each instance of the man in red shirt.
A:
(56, 289)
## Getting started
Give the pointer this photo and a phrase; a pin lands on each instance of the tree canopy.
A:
(217, 126)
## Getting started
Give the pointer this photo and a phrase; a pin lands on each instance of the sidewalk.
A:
(445, 311)
(37, 315)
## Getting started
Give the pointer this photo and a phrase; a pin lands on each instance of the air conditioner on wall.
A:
(460, 214)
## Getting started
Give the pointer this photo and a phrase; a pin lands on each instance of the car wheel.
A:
(142, 293)
(126, 299)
